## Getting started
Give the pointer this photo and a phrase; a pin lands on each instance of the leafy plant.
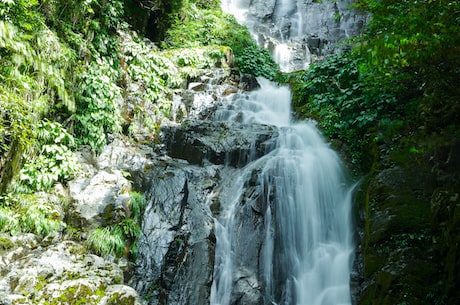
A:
(414, 46)
(107, 241)
(27, 214)
(258, 62)
(55, 161)
(40, 219)
(137, 205)
(97, 111)
(120, 239)
(194, 25)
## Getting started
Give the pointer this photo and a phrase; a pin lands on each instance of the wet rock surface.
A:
(308, 29)
(175, 260)
(216, 142)
(410, 231)
(183, 186)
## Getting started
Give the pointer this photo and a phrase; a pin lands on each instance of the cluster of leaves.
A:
(31, 81)
(27, 214)
(258, 62)
(198, 25)
(88, 26)
(55, 162)
(191, 60)
(417, 40)
(120, 239)
(346, 101)
(154, 75)
(97, 111)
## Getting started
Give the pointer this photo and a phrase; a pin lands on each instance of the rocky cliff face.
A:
(183, 185)
(410, 220)
(298, 31)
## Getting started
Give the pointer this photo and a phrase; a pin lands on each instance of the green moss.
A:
(5, 243)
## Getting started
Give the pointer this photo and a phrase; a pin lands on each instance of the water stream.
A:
(306, 254)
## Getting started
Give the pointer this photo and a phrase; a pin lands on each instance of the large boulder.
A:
(99, 200)
(176, 247)
(217, 142)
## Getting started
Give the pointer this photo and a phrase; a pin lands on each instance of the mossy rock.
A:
(5, 243)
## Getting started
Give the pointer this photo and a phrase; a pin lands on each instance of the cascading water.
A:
(297, 31)
(281, 233)
(305, 255)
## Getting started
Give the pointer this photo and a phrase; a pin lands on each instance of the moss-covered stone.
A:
(411, 236)
(5, 243)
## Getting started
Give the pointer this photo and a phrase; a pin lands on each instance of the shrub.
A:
(107, 241)
(349, 104)
(120, 239)
(54, 162)
(196, 26)
(97, 111)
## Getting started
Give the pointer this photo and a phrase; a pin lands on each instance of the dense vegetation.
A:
(73, 74)
(396, 87)
(391, 105)
(67, 69)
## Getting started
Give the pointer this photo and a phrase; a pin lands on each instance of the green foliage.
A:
(107, 241)
(55, 161)
(203, 26)
(40, 219)
(348, 104)
(150, 70)
(97, 111)
(87, 25)
(32, 81)
(8, 221)
(408, 33)
(30, 77)
(258, 62)
(152, 77)
(26, 214)
(137, 205)
(21, 13)
(120, 239)
(419, 41)
(191, 61)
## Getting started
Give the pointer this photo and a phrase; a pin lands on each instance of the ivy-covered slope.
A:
(75, 75)
(74, 64)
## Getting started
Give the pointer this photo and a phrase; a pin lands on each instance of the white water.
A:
(286, 12)
(307, 250)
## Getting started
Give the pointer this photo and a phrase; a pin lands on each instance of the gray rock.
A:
(175, 261)
(64, 273)
(100, 200)
(216, 142)
(293, 22)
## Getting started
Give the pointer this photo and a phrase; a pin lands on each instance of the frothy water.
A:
(286, 15)
(306, 255)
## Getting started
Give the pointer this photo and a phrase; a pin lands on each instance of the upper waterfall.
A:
(297, 31)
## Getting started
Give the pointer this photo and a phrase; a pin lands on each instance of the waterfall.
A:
(297, 32)
(306, 252)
